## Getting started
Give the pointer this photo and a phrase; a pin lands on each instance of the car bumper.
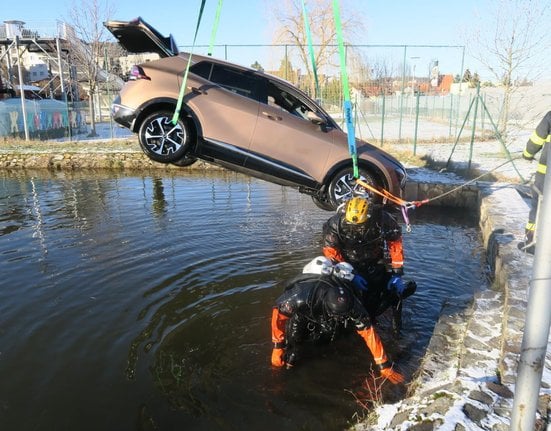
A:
(123, 115)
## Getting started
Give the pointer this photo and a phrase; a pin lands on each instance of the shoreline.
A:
(53, 156)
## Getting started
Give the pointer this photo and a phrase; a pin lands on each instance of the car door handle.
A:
(272, 117)
(198, 90)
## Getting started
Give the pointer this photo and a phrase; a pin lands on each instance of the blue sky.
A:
(388, 21)
(393, 22)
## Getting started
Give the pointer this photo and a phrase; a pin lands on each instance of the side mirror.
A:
(315, 118)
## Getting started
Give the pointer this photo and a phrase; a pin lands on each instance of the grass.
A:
(17, 145)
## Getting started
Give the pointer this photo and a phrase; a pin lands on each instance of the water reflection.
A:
(159, 201)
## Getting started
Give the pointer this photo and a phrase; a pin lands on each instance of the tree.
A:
(467, 76)
(381, 75)
(472, 79)
(512, 41)
(288, 15)
(88, 45)
(286, 70)
(257, 66)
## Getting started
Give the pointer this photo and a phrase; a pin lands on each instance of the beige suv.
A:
(242, 119)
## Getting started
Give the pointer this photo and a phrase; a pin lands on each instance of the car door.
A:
(227, 109)
(287, 144)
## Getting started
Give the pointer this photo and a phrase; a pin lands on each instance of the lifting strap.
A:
(347, 104)
(215, 27)
(311, 49)
(184, 80)
(406, 205)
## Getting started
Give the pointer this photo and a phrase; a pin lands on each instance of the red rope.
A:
(387, 195)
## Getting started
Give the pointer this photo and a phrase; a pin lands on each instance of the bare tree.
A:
(382, 72)
(291, 29)
(512, 42)
(88, 45)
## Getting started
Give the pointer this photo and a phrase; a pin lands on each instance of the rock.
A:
(474, 413)
(501, 390)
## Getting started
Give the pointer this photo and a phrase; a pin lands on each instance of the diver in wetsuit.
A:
(319, 305)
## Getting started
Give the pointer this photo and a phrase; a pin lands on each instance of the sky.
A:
(247, 22)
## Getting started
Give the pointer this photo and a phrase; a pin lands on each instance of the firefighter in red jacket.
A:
(320, 305)
(538, 141)
(369, 237)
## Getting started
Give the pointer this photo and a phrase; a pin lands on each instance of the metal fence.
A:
(396, 91)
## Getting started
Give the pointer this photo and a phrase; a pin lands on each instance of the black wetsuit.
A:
(366, 249)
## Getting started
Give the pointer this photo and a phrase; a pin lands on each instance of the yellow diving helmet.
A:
(356, 210)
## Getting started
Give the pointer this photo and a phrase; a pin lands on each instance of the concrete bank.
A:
(467, 376)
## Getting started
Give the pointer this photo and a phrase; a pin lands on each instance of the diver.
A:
(320, 304)
(369, 237)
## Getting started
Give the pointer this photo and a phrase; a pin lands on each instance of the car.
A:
(241, 119)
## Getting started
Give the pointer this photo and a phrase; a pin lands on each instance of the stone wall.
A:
(86, 160)
(466, 379)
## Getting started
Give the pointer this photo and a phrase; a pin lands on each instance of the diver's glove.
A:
(278, 357)
(392, 375)
(396, 284)
(359, 282)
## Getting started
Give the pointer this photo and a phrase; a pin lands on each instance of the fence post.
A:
(383, 119)
(416, 125)
(473, 131)
(451, 115)
(402, 96)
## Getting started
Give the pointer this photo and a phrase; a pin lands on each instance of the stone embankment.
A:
(467, 377)
(83, 160)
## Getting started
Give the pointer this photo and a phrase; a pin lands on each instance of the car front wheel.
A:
(322, 202)
(163, 141)
(343, 186)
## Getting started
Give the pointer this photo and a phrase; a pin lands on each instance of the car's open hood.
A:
(137, 36)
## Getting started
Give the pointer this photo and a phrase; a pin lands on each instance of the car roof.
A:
(137, 36)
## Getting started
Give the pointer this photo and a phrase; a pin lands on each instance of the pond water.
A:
(144, 303)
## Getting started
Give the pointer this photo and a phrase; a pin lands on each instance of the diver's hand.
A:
(391, 375)
(278, 357)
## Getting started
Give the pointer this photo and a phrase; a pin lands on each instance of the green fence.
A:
(398, 91)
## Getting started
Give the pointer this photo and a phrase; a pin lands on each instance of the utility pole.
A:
(538, 320)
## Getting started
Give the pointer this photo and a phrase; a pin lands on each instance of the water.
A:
(144, 303)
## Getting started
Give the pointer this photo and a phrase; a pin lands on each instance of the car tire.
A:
(163, 141)
(322, 202)
(342, 187)
(187, 160)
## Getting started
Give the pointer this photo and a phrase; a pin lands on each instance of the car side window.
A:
(236, 81)
(281, 97)
(203, 69)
